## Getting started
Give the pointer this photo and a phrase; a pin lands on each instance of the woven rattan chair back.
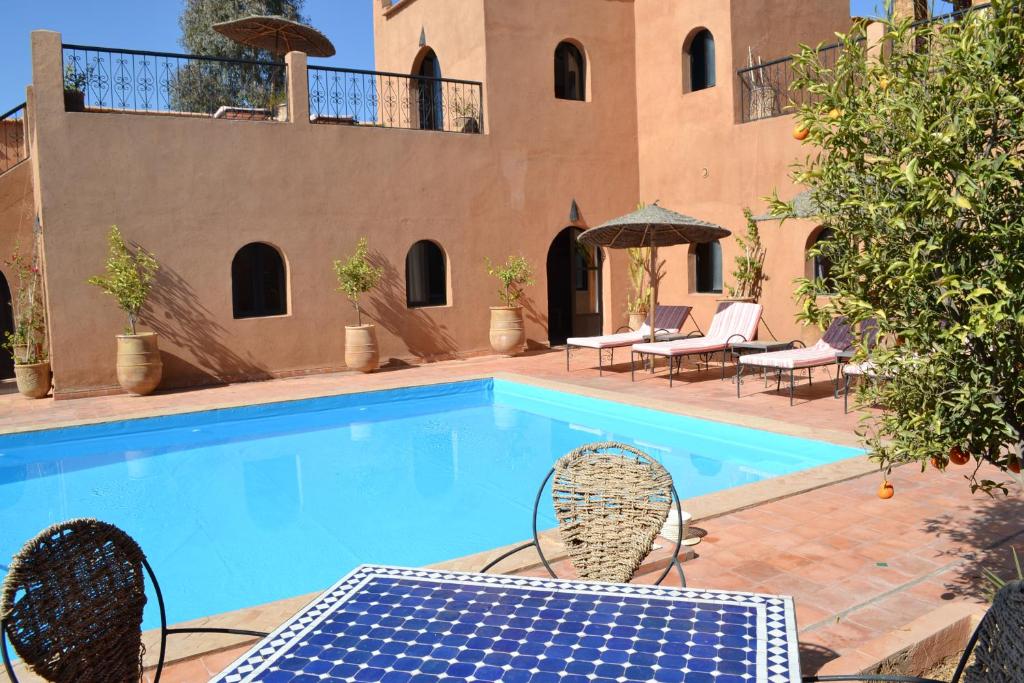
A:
(72, 603)
(999, 649)
(611, 500)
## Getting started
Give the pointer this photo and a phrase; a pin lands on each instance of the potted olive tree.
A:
(507, 333)
(75, 82)
(27, 343)
(749, 274)
(357, 276)
(128, 279)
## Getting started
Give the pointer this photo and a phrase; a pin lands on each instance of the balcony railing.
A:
(13, 140)
(392, 100)
(104, 79)
(766, 89)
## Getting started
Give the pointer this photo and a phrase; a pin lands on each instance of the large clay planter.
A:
(507, 333)
(636, 320)
(361, 352)
(33, 380)
(74, 100)
(139, 367)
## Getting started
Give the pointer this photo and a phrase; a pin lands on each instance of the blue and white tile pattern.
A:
(419, 626)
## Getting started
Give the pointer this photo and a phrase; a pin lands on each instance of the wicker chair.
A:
(997, 645)
(610, 500)
(72, 605)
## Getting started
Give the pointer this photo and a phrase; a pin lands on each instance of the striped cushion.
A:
(667, 319)
(819, 354)
(732, 318)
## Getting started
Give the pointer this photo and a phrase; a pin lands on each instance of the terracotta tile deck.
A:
(858, 567)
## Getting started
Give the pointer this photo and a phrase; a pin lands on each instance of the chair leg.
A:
(809, 380)
(671, 365)
(723, 365)
(792, 382)
(739, 376)
(567, 358)
(632, 365)
(600, 363)
(778, 380)
(846, 394)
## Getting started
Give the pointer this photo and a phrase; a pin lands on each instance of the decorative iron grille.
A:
(392, 100)
(13, 138)
(104, 79)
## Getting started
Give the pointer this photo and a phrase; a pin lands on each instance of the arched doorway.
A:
(429, 98)
(6, 326)
(574, 288)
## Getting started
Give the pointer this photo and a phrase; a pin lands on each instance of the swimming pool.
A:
(243, 506)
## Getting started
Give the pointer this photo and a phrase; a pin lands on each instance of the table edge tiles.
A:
(778, 629)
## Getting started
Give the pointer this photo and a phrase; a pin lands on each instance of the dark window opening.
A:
(702, 61)
(425, 277)
(430, 98)
(821, 266)
(570, 73)
(258, 287)
(709, 267)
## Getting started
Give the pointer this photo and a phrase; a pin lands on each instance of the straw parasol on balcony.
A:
(277, 35)
(652, 227)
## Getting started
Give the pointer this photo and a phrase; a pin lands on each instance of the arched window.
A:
(426, 279)
(570, 73)
(429, 96)
(701, 58)
(258, 287)
(821, 266)
(708, 264)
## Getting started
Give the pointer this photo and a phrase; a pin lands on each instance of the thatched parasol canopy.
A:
(277, 35)
(652, 227)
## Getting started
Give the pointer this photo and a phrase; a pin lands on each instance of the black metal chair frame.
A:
(535, 543)
(792, 373)
(164, 631)
(600, 352)
(673, 365)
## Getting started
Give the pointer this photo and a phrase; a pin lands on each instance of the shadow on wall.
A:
(534, 315)
(179, 317)
(423, 336)
(981, 538)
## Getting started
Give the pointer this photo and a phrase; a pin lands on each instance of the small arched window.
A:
(570, 73)
(701, 53)
(708, 263)
(258, 286)
(821, 266)
(426, 277)
(429, 95)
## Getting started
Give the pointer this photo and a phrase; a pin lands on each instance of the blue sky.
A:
(153, 25)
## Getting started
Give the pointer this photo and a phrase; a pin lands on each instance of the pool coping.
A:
(703, 508)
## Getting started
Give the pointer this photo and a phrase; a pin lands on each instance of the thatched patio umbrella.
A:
(652, 227)
(277, 35)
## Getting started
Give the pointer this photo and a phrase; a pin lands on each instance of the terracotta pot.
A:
(139, 367)
(636, 320)
(74, 100)
(507, 333)
(361, 352)
(33, 380)
(281, 112)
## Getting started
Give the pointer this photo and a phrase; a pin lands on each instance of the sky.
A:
(153, 25)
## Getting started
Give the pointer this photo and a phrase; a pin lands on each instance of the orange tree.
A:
(918, 167)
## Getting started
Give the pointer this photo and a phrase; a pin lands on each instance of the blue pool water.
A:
(243, 506)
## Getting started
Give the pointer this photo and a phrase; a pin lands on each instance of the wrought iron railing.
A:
(104, 79)
(766, 89)
(392, 100)
(13, 138)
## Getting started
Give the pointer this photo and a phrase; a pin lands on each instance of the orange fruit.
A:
(1014, 465)
(835, 114)
(800, 132)
(936, 463)
(958, 457)
(886, 490)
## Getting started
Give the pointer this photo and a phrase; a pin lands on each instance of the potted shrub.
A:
(357, 276)
(27, 343)
(749, 274)
(467, 116)
(507, 333)
(75, 82)
(128, 279)
(638, 301)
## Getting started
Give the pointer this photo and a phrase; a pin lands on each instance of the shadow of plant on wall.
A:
(533, 314)
(981, 539)
(180, 318)
(421, 334)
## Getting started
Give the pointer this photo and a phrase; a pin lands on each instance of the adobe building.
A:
(492, 127)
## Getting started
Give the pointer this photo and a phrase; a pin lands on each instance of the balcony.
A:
(13, 138)
(100, 79)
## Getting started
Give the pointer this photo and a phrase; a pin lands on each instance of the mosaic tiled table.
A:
(418, 625)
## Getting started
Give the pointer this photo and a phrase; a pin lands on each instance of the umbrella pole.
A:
(654, 287)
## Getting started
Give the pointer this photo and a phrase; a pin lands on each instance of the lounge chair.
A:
(995, 647)
(837, 339)
(733, 322)
(72, 603)
(611, 501)
(667, 320)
